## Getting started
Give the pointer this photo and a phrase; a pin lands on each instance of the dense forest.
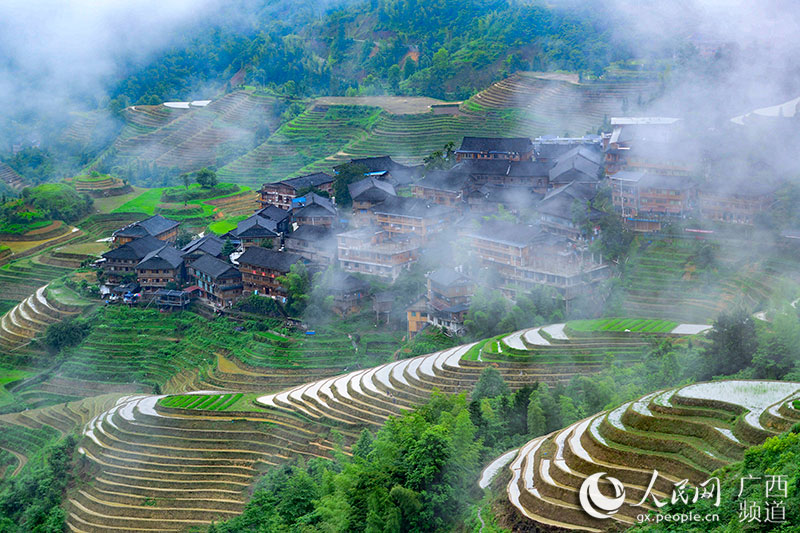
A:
(444, 49)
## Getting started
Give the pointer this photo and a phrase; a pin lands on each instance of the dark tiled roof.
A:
(575, 168)
(376, 164)
(273, 213)
(311, 180)
(578, 191)
(262, 257)
(512, 196)
(445, 180)
(447, 277)
(312, 234)
(216, 268)
(165, 258)
(371, 189)
(314, 205)
(591, 153)
(155, 225)
(254, 227)
(411, 207)
(507, 233)
(666, 182)
(534, 169)
(209, 244)
(519, 145)
(136, 249)
(496, 167)
(314, 210)
(652, 180)
(342, 282)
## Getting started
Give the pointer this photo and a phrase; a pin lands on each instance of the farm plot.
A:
(683, 433)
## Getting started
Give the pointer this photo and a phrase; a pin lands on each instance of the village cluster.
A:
(522, 209)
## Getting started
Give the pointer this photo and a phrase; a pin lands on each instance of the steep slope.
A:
(684, 433)
(196, 458)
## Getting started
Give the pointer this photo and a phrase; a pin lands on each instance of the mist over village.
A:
(394, 266)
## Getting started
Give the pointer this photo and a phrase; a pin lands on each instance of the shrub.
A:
(67, 333)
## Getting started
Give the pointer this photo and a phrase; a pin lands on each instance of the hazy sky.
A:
(51, 49)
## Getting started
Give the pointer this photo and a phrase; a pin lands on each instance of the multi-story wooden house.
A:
(413, 217)
(449, 296)
(548, 148)
(266, 225)
(582, 165)
(444, 187)
(208, 244)
(735, 202)
(647, 144)
(156, 226)
(562, 210)
(314, 210)
(512, 149)
(348, 292)
(644, 199)
(386, 169)
(121, 261)
(373, 251)
(367, 193)
(525, 257)
(315, 243)
(281, 194)
(219, 281)
(159, 268)
(261, 269)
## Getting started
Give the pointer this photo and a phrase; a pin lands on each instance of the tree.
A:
(228, 248)
(297, 283)
(184, 237)
(490, 384)
(778, 347)
(206, 178)
(569, 411)
(186, 181)
(67, 333)
(482, 317)
(345, 175)
(409, 67)
(441, 159)
(537, 424)
(552, 412)
(733, 343)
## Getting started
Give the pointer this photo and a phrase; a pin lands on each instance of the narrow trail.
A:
(483, 524)
(21, 459)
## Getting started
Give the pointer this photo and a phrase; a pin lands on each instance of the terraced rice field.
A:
(566, 350)
(100, 186)
(639, 325)
(19, 279)
(684, 433)
(197, 463)
(560, 104)
(305, 144)
(30, 318)
(10, 177)
(663, 281)
(209, 402)
(82, 126)
(23, 434)
(137, 350)
(193, 138)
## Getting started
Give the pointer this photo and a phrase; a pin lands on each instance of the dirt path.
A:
(21, 459)
(399, 105)
(483, 524)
